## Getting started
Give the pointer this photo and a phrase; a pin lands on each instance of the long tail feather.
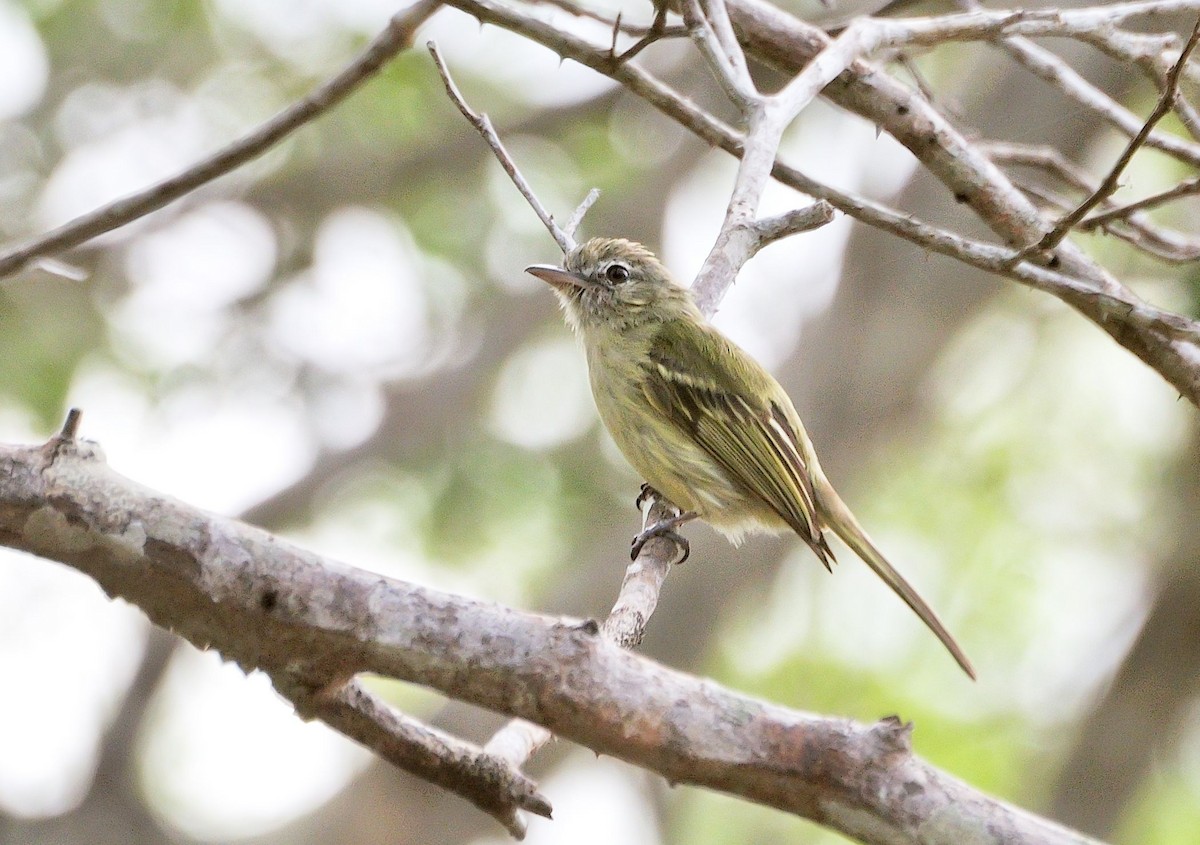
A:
(841, 520)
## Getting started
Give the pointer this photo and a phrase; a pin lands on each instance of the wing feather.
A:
(751, 438)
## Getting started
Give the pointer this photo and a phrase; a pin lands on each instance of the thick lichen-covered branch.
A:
(311, 622)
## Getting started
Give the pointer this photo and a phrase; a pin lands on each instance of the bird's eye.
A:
(617, 273)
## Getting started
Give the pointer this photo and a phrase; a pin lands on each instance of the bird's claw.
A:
(666, 530)
(644, 495)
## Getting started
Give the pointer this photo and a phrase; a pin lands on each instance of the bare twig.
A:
(483, 125)
(1147, 331)
(487, 781)
(1051, 68)
(579, 10)
(1122, 222)
(394, 39)
(720, 50)
(577, 215)
(814, 216)
(1162, 243)
(910, 67)
(1055, 236)
(1187, 114)
(1183, 189)
(767, 117)
(1092, 24)
(1043, 158)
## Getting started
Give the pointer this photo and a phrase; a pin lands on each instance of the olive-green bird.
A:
(700, 419)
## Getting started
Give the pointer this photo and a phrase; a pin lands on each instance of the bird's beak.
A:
(562, 279)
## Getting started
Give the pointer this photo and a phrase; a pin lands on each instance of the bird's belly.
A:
(674, 465)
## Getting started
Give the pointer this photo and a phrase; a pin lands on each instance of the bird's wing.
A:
(706, 386)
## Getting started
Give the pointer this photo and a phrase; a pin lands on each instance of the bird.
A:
(699, 419)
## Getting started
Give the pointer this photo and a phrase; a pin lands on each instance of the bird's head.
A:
(615, 283)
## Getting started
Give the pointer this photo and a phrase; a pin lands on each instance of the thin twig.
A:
(1051, 68)
(1187, 114)
(483, 125)
(858, 40)
(1162, 243)
(577, 215)
(1122, 222)
(579, 10)
(1113, 305)
(1052, 238)
(1183, 189)
(395, 38)
(658, 29)
(487, 781)
(979, 24)
(1044, 158)
(717, 16)
(906, 61)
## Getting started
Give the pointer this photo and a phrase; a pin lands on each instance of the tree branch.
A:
(483, 125)
(782, 41)
(307, 620)
(486, 780)
(519, 740)
(395, 38)
(1064, 226)
(1165, 341)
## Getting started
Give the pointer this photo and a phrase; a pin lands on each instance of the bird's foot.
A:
(646, 494)
(666, 530)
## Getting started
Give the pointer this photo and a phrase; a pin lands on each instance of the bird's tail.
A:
(838, 516)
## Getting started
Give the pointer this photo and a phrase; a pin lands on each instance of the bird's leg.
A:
(664, 528)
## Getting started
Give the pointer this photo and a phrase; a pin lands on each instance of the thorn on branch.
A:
(1185, 188)
(70, 427)
(657, 30)
(67, 439)
(589, 626)
(893, 735)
